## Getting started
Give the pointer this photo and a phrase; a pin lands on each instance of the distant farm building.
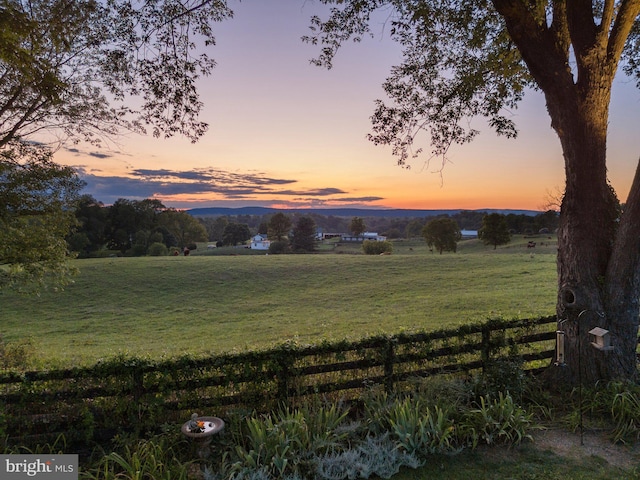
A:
(466, 234)
(329, 235)
(260, 242)
(361, 238)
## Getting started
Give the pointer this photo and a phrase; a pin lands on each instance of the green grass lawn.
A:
(521, 463)
(210, 303)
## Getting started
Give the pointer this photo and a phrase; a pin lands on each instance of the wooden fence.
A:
(91, 404)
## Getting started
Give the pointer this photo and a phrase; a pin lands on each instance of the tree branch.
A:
(544, 50)
(627, 14)
(582, 27)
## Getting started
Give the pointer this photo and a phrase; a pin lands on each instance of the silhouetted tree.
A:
(414, 228)
(185, 228)
(235, 233)
(303, 238)
(357, 226)
(494, 230)
(443, 234)
(279, 226)
(90, 233)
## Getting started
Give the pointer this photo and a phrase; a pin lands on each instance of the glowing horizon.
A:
(285, 133)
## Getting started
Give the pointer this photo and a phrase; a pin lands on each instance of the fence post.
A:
(389, 357)
(486, 347)
(137, 387)
(284, 363)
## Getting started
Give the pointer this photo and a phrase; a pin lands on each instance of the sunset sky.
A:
(287, 134)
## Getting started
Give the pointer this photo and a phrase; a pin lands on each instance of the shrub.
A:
(15, 355)
(278, 246)
(503, 375)
(373, 247)
(158, 249)
(444, 391)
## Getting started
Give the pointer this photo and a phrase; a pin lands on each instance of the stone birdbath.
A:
(201, 430)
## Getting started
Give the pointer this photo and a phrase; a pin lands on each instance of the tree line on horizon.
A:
(132, 227)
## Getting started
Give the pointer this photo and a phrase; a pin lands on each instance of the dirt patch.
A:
(591, 443)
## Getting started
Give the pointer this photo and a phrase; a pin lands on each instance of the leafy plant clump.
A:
(158, 458)
(617, 401)
(498, 421)
(388, 432)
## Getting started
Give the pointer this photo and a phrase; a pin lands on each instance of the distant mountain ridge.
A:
(347, 212)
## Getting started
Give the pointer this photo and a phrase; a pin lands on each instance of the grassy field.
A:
(210, 303)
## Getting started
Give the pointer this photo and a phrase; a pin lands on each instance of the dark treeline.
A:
(147, 227)
(132, 227)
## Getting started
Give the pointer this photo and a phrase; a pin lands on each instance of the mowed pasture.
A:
(162, 307)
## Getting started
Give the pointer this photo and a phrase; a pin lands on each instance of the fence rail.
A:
(127, 393)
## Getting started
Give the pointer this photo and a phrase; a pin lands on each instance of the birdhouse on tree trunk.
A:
(600, 338)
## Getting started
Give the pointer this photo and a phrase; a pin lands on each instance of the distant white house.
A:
(365, 236)
(260, 242)
(469, 233)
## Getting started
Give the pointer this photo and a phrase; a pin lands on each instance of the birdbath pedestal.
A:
(201, 430)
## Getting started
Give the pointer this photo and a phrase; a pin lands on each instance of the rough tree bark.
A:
(598, 250)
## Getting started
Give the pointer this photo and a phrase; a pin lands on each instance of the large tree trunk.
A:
(574, 60)
(597, 251)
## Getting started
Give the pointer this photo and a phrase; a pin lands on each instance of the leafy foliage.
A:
(373, 247)
(158, 249)
(421, 429)
(376, 455)
(235, 233)
(184, 228)
(494, 230)
(303, 236)
(278, 246)
(443, 234)
(74, 67)
(285, 442)
(279, 226)
(156, 458)
(485, 73)
(617, 400)
(15, 355)
(357, 226)
(498, 420)
(37, 198)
